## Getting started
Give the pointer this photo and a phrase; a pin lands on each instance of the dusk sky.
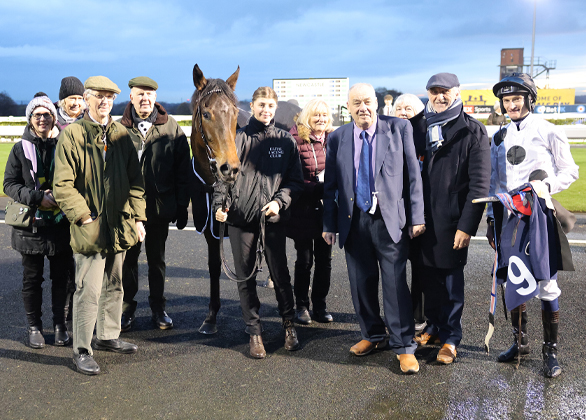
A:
(386, 43)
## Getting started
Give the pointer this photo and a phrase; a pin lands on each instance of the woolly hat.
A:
(38, 101)
(70, 86)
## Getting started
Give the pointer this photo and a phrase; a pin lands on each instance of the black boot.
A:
(35, 337)
(62, 338)
(551, 368)
(510, 354)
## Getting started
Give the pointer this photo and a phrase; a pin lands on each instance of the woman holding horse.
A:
(313, 124)
(270, 178)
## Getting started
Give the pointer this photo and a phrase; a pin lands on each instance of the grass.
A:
(573, 199)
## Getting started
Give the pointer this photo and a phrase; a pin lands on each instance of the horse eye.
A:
(206, 115)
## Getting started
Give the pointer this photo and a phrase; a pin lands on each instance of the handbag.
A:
(19, 215)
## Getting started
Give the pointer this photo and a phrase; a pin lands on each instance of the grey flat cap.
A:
(443, 80)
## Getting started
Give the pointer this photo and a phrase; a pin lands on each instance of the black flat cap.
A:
(443, 80)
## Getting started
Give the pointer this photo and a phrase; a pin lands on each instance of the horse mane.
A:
(213, 84)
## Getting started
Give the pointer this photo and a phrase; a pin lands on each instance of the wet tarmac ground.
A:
(181, 374)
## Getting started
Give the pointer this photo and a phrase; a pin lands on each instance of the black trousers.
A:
(32, 290)
(368, 248)
(307, 250)
(243, 241)
(444, 303)
(416, 279)
(156, 238)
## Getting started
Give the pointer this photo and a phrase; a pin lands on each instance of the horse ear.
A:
(233, 79)
(199, 79)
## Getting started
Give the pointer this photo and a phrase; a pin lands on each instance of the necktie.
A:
(363, 193)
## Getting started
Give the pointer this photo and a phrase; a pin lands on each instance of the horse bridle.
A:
(209, 152)
(213, 169)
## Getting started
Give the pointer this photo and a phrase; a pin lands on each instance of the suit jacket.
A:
(397, 178)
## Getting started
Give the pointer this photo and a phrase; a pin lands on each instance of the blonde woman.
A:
(313, 125)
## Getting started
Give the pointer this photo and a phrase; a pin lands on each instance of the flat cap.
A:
(143, 81)
(101, 83)
(443, 80)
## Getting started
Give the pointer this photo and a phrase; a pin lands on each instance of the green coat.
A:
(111, 191)
(166, 165)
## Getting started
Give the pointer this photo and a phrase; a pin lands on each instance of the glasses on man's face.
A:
(99, 97)
(46, 116)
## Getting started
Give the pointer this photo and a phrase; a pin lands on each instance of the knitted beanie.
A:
(70, 86)
(38, 101)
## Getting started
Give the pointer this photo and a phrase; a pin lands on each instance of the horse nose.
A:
(228, 170)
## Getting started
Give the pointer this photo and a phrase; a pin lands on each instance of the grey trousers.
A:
(97, 301)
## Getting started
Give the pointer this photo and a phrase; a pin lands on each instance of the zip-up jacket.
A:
(270, 171)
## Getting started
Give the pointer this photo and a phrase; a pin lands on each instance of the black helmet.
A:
(520, 83)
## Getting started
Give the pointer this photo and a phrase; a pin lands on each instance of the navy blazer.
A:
(397, 178)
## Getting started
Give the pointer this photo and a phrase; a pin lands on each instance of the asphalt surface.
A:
(181, 374)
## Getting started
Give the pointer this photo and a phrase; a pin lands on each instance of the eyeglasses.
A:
(46, 115)
(109, 98)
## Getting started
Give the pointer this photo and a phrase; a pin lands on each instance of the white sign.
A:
(333, 91)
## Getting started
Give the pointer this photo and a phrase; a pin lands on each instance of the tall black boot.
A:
(551, 368)
(510, 354)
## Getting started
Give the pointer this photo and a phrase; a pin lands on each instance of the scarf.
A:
(436, 120)
(66, 118)
(144, 125)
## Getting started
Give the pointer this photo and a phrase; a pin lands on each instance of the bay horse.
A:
(215, 162)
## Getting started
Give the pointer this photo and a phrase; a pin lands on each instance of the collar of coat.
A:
(86, 116)
(127, 120)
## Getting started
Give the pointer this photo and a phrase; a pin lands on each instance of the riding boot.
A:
(510, 354)
(551, 368)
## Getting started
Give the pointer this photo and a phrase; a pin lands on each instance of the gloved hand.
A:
(181, 217)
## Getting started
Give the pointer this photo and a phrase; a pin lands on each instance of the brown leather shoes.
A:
(408, 362)
(257, 348)
(447, 354)
(363, 347)
(425, 338)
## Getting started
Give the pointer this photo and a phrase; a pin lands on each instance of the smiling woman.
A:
(49, 234)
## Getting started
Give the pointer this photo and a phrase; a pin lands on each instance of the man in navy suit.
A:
(373, 199)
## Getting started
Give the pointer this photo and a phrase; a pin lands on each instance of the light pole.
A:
(533, 38)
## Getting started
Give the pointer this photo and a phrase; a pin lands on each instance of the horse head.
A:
(213, 127)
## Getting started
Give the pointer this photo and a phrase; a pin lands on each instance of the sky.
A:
(388, 43)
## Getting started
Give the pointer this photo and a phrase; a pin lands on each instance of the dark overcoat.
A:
(453, 176)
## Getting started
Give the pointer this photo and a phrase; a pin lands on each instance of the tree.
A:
(7, 105)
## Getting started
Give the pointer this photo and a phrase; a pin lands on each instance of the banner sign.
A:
(333, 91)
(485, 97)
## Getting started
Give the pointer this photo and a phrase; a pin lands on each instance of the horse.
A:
(215, 162)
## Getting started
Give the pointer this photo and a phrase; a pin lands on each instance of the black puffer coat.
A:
(270, 171)
(19, 185)
(307, 212)
(456, 173)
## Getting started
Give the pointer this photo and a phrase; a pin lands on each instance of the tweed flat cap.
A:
(101, 83)
(143, 81)
(443, 80)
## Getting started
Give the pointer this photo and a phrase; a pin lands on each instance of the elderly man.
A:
(529, 149)
(99, 187)
(456, 169)
(164, 159)
(372, 197)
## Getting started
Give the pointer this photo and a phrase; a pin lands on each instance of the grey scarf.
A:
(436, 120)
